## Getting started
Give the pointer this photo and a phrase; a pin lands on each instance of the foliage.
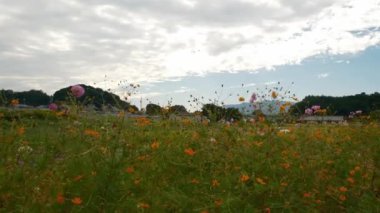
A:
(216, 113)
(153, 109)
(340, 105)
(112, 164)
(15, 115)
(31, 97)
(375, 115)
(177, 109)
(213, 112)
(96, 96)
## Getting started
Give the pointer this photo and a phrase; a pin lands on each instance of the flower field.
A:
(96, 163)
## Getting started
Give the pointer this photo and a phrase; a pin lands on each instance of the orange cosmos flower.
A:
(78, 178)
(137, 181)
(155, 145)
(21, 131)
(342, 197)
(92, 133)
(285, 165)
(215, 183)
(189, 152)
(351, 180)
(143, 205)
(244, 178)
(194, 181)
(218, 202)
(343, 189)
(352, 172)
(60, 198)
(130, 170)
(143, 121)
(76, 201)
(307, 194)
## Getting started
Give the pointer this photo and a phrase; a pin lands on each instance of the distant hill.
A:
(340, 105)
(94, 96)
(30, 98)
(267, 107)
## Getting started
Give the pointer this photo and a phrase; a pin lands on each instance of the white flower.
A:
(25, 149)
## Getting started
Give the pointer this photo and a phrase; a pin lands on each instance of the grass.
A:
(93, 163)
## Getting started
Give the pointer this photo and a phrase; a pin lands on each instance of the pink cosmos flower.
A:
(316, 107)
(77, 90)
(253, 98)
(53, 107)
(308, 111)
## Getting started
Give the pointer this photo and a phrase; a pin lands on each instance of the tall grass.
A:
(93, 163)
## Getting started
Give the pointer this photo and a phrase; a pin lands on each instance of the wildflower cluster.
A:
(315, 110)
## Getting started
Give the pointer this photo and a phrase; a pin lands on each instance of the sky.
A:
(178, 48)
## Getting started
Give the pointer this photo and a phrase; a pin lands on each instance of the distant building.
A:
(23, 106)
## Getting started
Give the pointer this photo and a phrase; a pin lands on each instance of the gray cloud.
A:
(48, 45)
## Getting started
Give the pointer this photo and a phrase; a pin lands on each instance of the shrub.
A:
(153, 109)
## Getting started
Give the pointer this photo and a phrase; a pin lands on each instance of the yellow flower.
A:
(121, 114)
(131, 110)
(15, 102)
(215, 183)
(274, 95)
(143, 205)
(260, 181)
(194, 181)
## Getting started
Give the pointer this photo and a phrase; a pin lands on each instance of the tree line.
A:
(340, 105)
(99, 98)
(93, 96)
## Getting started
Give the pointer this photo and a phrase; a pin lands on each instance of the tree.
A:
(95, 96)
(153, 109)
(178, 109)
(216, 113)
(31, 97)
(340, 105)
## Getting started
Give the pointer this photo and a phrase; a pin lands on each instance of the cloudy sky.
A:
(174, 48)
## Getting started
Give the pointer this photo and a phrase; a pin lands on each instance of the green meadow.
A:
(86, 162)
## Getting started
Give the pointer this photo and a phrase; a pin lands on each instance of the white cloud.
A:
(150, 41)
(271, 83)
(323, 75)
